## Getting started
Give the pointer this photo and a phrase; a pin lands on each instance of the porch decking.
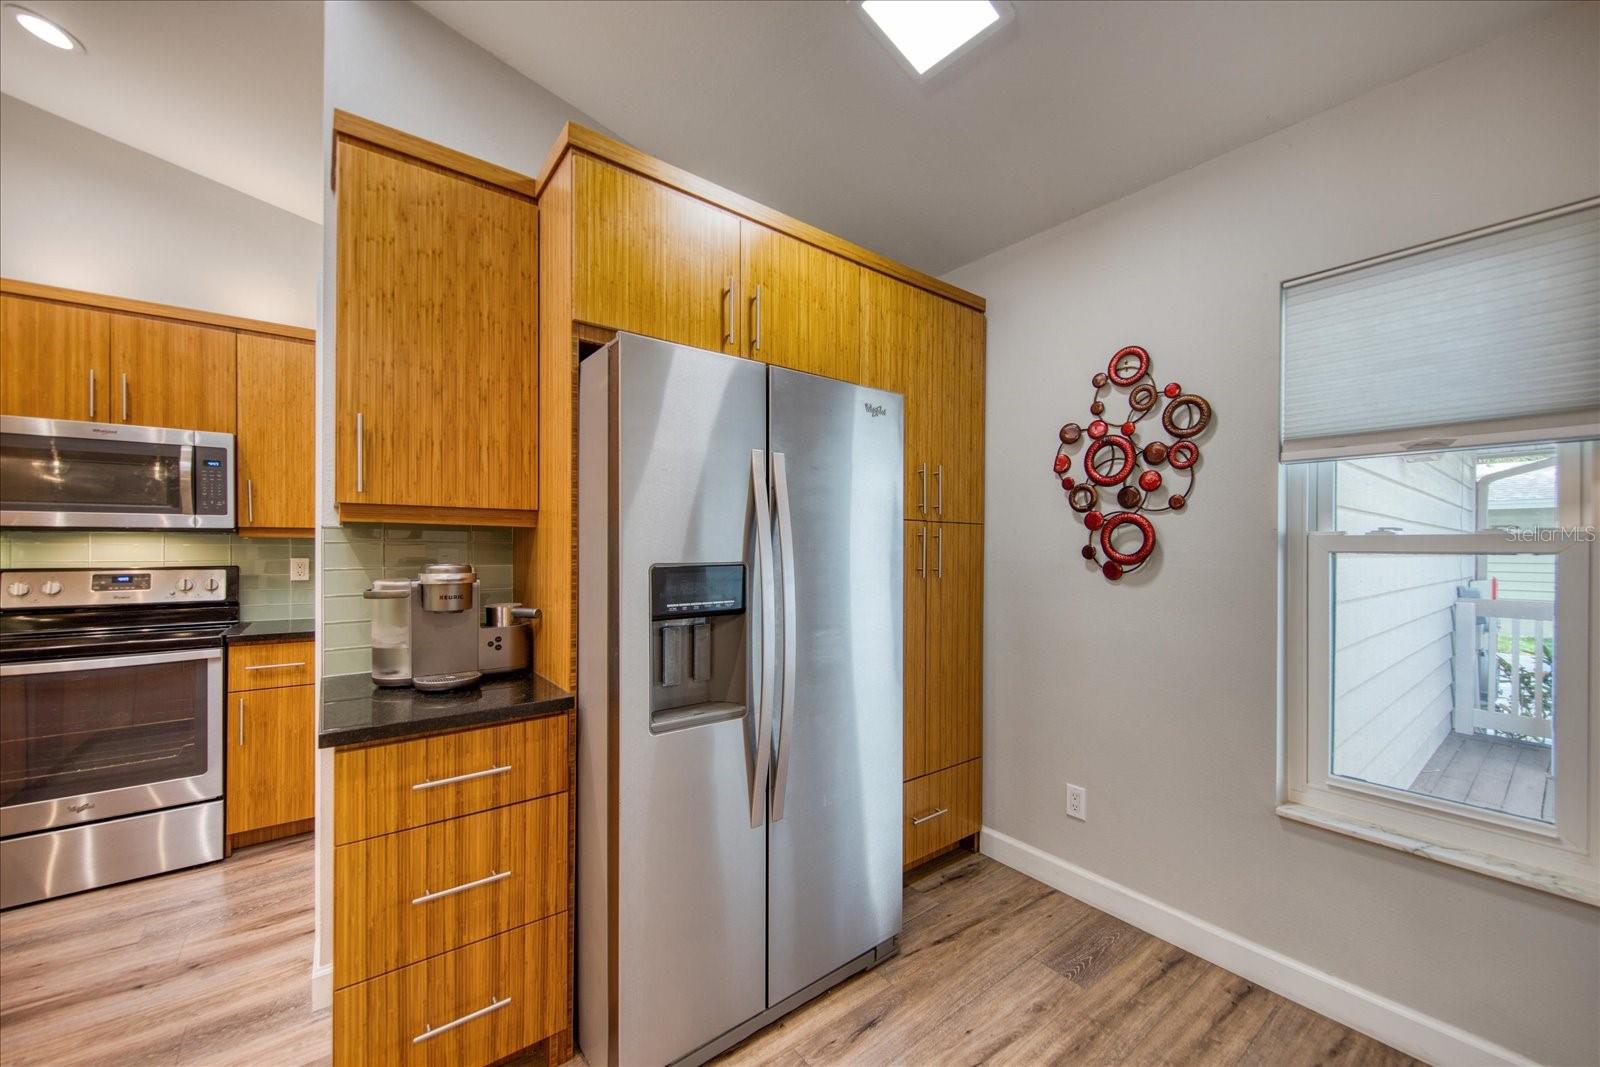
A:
(1510, 776)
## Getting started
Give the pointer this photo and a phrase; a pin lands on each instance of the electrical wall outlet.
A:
(299, 569)
(1077, 802)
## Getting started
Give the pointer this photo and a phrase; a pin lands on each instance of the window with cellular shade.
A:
(1492, 337)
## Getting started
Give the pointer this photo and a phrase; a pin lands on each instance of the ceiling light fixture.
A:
(45, 30)
(926, 34)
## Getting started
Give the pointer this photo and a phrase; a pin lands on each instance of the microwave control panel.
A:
(211, 481)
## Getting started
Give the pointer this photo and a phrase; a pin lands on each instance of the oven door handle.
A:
(98, 663)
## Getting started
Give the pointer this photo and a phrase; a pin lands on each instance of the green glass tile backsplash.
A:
(356, 555)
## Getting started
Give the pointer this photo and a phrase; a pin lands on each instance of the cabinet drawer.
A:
(942, 808)
(404, 897)
(466, 1008)
(270, 664)
(383, 788)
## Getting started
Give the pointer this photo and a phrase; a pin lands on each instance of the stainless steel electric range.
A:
(111, 690)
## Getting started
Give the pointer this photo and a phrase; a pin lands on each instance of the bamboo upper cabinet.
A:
(166, 373)
(898, 329)
(54, 360)
(651, 260)
(957, 453)
(437, 366)
(277, 435)
(801, 306)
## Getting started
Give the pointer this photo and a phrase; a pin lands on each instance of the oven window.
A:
(72, 474)
(77, 732)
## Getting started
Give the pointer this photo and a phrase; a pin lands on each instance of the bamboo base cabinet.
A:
(943, 684)
(271, 742)
(452, 897)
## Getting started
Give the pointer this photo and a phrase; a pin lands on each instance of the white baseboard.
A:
(1406, 1029)
(322, 987)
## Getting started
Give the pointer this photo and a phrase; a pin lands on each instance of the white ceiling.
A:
(232, 91)
(1071, 105)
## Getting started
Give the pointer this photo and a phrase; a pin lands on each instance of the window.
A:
(1440, 568)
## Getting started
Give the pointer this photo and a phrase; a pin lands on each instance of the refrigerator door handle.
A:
(768, 641)
(780, 777)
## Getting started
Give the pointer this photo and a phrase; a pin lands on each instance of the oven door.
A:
(88, 739)
(59, 473)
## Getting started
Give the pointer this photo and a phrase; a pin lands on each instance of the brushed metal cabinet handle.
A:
(922, 543)
(494, 876)
(274, 666)
(241, 722)
(124, 398)
(435, 783)
(756, 345)
(361, 459)
(939, 474)
(727, 312)
(435, 1031)
(91, 394)
(922, 473)
(932, 815)
(250, 498)
(938, 536)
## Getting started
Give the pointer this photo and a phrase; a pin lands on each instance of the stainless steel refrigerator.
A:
(739, 695)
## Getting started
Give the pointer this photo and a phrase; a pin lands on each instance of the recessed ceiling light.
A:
(45, 30)
(926, 33)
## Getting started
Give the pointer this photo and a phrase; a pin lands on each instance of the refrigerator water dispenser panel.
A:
(697, 648)
(683, 589)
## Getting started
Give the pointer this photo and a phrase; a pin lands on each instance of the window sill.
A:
(1519, 874)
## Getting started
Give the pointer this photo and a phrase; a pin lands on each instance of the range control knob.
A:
(184, 585)
(19, 588)
(50, 588)
(212, 585)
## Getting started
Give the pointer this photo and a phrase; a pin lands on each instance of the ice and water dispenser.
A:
(698, 651)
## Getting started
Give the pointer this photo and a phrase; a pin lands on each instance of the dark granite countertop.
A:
(271, 630)
(354, 711)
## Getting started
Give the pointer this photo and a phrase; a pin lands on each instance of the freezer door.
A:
(691, 867)
(834, 834)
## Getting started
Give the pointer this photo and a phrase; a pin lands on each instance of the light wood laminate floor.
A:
(211, 967)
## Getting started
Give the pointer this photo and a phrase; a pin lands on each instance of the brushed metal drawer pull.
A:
(930, 816)
(494, 876)
(437, 782)
(435, 1031)
(274, 666)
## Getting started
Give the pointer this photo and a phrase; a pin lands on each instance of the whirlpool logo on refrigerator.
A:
(875, 409)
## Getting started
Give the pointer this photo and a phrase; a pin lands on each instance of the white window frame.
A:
(1563, 858)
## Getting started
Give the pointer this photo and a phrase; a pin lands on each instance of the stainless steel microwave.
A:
(59, 474)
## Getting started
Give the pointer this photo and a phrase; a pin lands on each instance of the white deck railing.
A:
(1510, 690)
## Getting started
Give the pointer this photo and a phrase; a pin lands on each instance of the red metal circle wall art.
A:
(1117, 460)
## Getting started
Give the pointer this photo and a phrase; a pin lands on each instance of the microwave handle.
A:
(186, 479)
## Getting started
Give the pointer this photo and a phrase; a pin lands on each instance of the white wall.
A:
(80, 210)
(1176, 735)
(396, 64)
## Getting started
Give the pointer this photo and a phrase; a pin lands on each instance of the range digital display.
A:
(103, 582)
